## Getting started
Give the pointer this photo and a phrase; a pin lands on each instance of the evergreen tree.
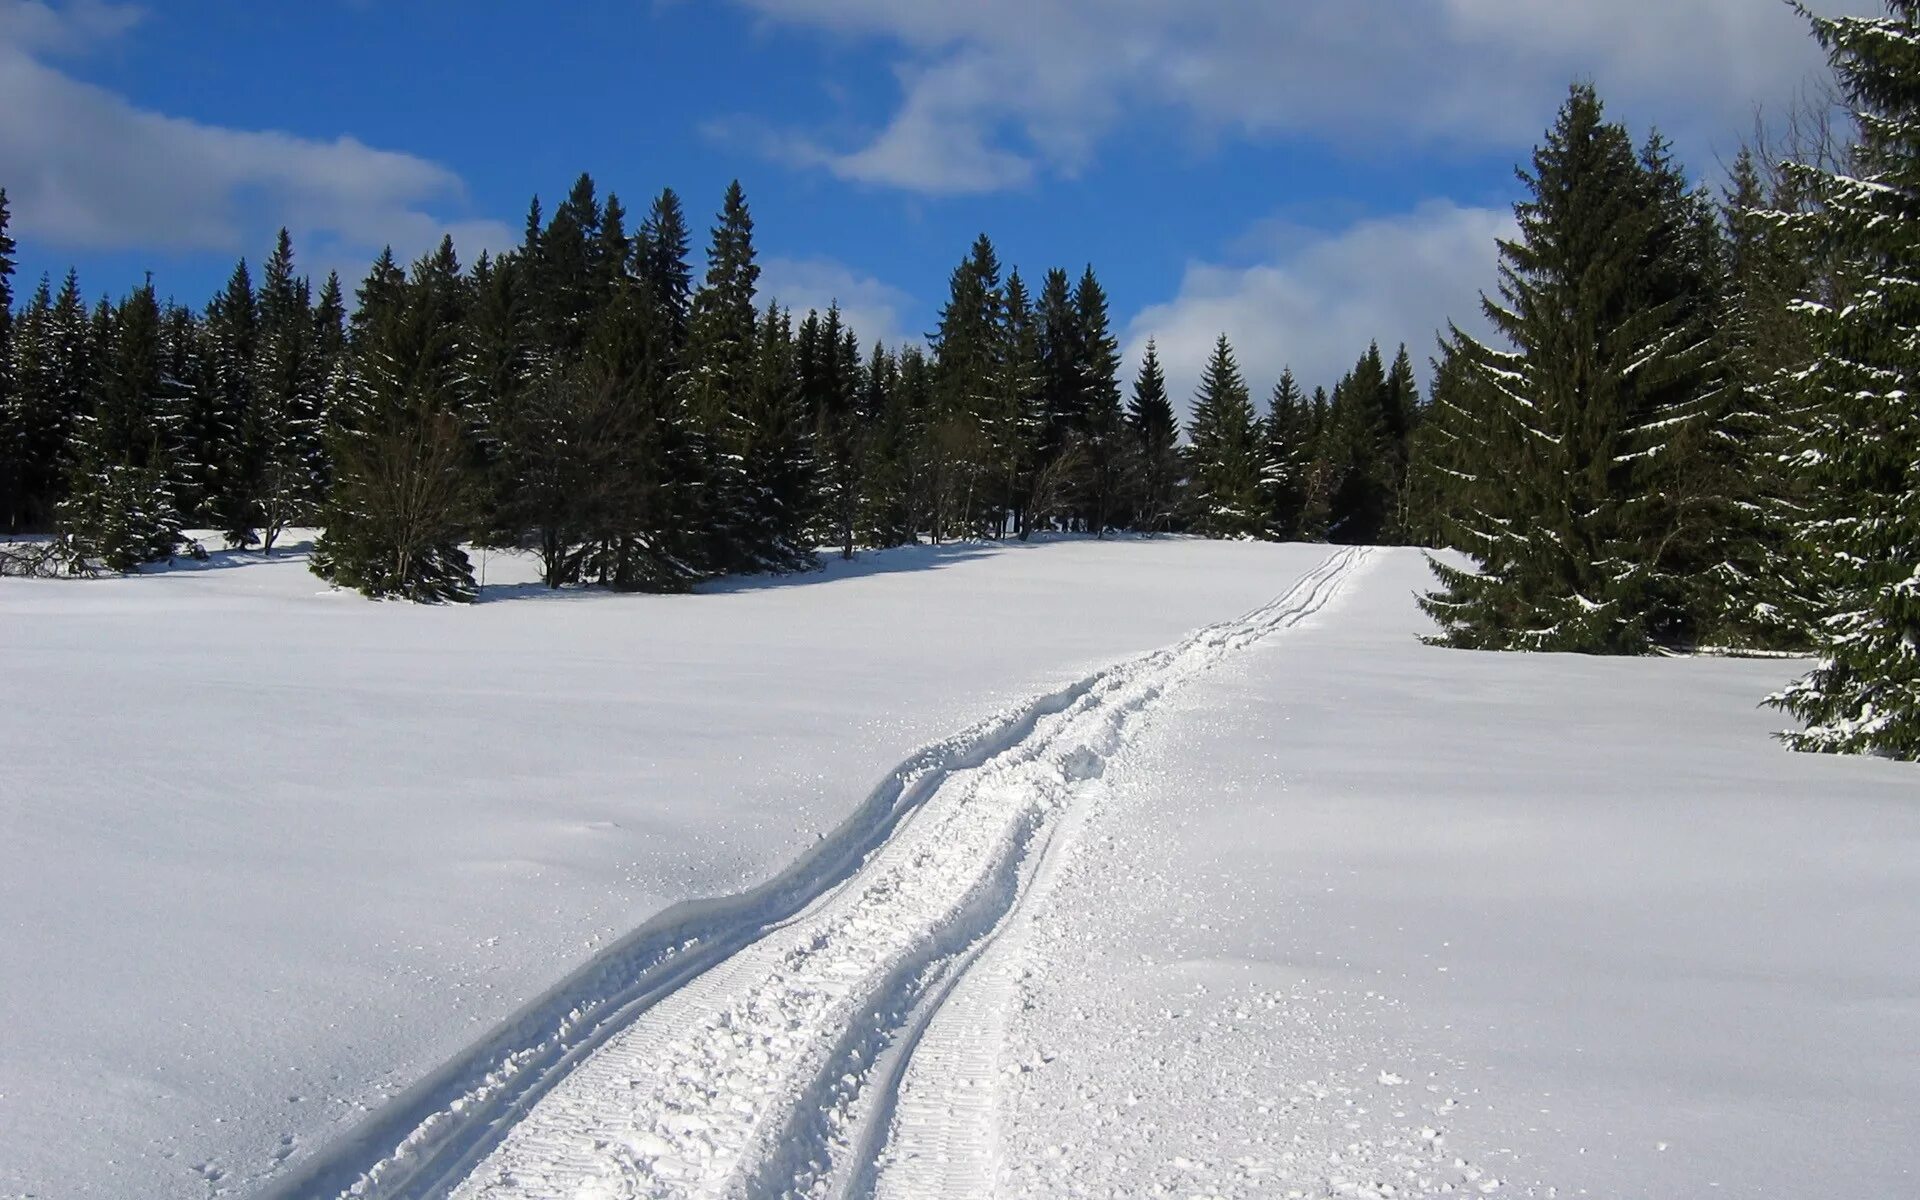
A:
(36, 420)
(1102, 433)
(1586, 404)
(1224, 478)
(776, 453)
(1763, 595)
(403, 495)
(120, 509)
(15, 424)
(289, 379)
(719, 380)
(1454, 453)
(236, 475)
(1402, 412)
(829, 364)
(967, 366)
(886, 514)
(1019, 404)
(1287, 458)
(1360, 447)
(663, 248)
(1156, 438)
(1859, 425)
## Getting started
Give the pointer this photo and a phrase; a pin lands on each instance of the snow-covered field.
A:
(1292, 905)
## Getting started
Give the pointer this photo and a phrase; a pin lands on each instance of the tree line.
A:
(587, 397)
(1697, 425)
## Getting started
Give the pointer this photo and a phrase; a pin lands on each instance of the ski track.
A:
(833, 1032)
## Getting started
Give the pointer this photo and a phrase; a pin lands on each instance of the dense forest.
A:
(583, 398)
(1696, 429)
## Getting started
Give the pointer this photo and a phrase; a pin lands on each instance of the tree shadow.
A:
(865, 565)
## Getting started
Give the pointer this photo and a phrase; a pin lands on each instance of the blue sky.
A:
(1302, 174)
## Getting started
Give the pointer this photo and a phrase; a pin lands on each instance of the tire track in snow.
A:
(942, 1105)
(754, 1078)
(729, 1047)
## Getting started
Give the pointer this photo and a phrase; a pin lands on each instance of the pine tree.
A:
(1763, 596)
(1360, 445)
(236, 474)
(1454, 452)
(1585, 406)
(403, 494)
(1287, 458)
(776, 453)
(719, 381)
(1107, 478)
(829, 365)
(1859, 451)
(886, 512)
(1019, 402)
(120, 509)
(662, 255)
(1402, 413)
(967, 365)
(36, 422)
(15, 424)
(1156, 439)
(289, 379)
(1224, 489)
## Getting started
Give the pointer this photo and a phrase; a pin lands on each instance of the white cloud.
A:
(84, 167)
(874, 309)
(994, 91)
(1314, 302)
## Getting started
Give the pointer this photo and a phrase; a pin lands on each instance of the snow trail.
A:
(771, 1044)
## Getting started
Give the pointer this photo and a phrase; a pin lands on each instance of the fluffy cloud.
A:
(84, 167)
(1313, 302)
(875, 310)
(994, 91)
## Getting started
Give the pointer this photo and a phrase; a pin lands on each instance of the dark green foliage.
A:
(120, 509)
(1857, 425)
(1587, 414)
(1156, 437)
(1224, 497)
(1106, 479)
(403, 494)
(830, 389)
(1287, 459)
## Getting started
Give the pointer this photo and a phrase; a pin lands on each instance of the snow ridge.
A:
(753, 1046)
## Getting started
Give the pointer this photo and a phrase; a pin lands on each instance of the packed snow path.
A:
(757, 1046)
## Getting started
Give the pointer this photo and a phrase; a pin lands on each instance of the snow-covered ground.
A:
(1362, 915)
(270, 854)
(1291, 905)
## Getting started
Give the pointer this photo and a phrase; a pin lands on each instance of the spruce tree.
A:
(1859, 449)
(236, 463)
(829, 365)
(120, 509)
(1107, 478)
(1019, 399)
(403, 494)
(14, 423)
(718, 378)
(967, 349)
(36, 422)
(1287, 457)
(1586, 404)
(1156, 438)
(289, 378)
(1360, 446)
(1224, 489)
(1402, 414)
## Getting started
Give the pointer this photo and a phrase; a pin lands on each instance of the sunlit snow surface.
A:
(1341, 915)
